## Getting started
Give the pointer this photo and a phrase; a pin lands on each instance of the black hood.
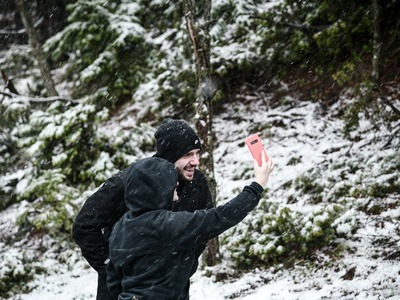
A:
(150, 185)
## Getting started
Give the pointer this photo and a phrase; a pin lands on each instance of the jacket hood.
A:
(150, 185)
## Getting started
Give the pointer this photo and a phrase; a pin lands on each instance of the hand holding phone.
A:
(262, 172)
(256, 147)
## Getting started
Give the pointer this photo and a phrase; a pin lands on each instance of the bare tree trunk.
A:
(377, 43)
(37, 48)
(197, 14)
(376, 55)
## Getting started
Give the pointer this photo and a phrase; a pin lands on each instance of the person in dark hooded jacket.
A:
(152, 248)
(176, 142)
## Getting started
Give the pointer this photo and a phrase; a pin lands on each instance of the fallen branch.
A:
(390, 104)
(38, 99)
(13, 32)
(383, 97)
(389, 142)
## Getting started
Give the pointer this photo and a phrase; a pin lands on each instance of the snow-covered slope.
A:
(303, 140)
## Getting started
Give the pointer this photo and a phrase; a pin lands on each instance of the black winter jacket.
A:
(93, 224)
(160, 265)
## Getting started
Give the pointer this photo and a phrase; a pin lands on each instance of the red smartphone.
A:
(256, 147)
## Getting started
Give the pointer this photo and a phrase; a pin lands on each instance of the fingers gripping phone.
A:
(256, 147)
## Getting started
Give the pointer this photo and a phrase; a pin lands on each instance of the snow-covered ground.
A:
(306, 134)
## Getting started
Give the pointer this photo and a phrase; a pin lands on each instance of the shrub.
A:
(282, 235)
(17, 270)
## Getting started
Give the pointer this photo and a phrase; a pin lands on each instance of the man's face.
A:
(187, 163)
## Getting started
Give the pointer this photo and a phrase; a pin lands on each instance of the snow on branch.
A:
(38, 99)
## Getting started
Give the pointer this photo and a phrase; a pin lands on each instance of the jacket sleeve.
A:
(96, 218)
(187, 230)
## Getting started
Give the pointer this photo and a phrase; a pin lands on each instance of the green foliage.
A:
(16, 272)
(12, 113)
(17, 60)
(283, 236)
(345, 74)
(377, 190)
(328, 38)
(236, 39)
(310, 186)
(368, 103)
(119, 47)
(51, 210)
(67, 155)
(105, 47)
(61, 137)
(64, 154)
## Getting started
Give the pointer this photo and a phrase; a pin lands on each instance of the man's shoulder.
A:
(117, 178)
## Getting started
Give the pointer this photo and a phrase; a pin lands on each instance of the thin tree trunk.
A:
(377, 43)
(197, 14)
(37, 48)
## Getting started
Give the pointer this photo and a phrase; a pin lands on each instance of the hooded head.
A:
(175, 138)
(150, 185)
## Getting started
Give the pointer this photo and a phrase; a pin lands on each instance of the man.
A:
(177, 143)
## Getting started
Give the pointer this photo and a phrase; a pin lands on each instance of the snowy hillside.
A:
(304, 141)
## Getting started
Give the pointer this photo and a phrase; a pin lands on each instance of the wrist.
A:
(262, 183)
(257, 186)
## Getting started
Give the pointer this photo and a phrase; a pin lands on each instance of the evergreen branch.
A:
(302, 27)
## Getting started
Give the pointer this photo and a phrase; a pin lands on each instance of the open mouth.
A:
(189, 173)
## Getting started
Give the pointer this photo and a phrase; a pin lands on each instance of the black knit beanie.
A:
(174, 139)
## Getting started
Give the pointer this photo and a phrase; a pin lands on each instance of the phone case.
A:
(256, 147)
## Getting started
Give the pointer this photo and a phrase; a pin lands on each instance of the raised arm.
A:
(187, 230)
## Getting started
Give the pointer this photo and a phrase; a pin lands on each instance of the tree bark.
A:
(377, 43)
(37, 48)
(198, 14)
